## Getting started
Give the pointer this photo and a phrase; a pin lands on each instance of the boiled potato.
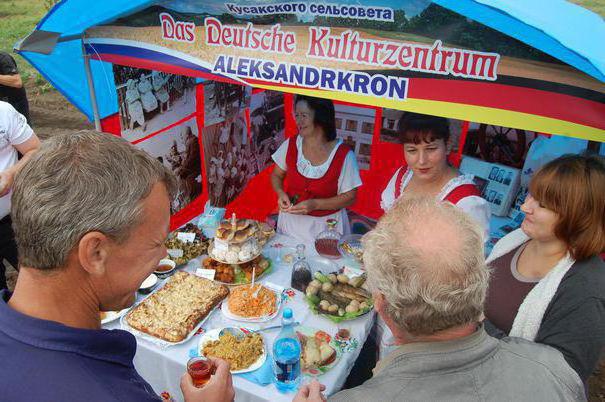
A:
(343, 278)
(324, 305)
(333, 308)
(327, 287)
(333, 278)
(352, 308)
(315, 282)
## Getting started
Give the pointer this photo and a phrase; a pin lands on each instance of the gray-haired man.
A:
(90, 215)
(428, 276)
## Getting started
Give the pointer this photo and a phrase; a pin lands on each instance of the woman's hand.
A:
(303, 207)
(283, 201)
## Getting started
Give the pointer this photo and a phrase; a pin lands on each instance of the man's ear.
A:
(93, 252)
(379, 302)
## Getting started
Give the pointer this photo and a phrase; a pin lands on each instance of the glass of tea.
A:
(200, 370)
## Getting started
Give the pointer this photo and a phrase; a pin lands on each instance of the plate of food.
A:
(350, 247)
(109, 316)
(244, 354)
(319, 352)
(258, 303)
(264, 232)
(186, 243)
(238, 274)
(234, 253)
(172, 314)
(338, 297)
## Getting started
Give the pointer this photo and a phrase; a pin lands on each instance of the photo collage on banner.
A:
(355, 126)
(267, 125)
(228, 152)
(151, 100)
(157, 114)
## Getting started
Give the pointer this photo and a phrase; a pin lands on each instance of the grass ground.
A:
(17, 19)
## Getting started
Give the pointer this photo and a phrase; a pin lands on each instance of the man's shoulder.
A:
(541, 360)
(47, 373)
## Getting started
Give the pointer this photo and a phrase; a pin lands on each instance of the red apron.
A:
(302, 188)
(458, 193)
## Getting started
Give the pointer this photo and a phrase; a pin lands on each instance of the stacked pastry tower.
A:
(235, 241)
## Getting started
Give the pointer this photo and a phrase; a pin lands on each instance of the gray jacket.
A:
(475, 368)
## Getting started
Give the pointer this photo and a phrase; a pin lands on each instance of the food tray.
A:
(212, 335)
(278, 301)
(157, 341)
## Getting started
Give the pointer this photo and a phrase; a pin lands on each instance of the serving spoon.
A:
(239, 334)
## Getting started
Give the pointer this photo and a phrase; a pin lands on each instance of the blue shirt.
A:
(46, 361)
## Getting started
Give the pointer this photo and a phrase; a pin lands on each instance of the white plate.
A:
(307, 331)
(228, 314)
(212, 335)
(113, 315)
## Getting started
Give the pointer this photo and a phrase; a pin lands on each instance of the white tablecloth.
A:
(163, 367)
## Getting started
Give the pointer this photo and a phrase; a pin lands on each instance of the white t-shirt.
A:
(14, 130)
(306, 227)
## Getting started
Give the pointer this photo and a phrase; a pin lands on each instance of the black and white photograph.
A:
(267, 125)
(508, 179)
(498, 199)
(493, 173)
(230, 161)
(491, 196)
(500, 177)
(355, 126)
(178, 148)
(223, 101)
(151, 100)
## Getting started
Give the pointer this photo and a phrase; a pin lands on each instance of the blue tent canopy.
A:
(563, 30)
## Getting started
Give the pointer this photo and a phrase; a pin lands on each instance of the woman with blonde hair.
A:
(548, 281)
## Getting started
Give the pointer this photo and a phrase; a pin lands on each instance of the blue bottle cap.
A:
(287, 312)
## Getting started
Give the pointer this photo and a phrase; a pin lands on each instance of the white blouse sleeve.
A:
(279, 156)
(478, 209)
(388, 194)
(349, 175)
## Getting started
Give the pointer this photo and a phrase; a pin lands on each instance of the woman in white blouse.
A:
(425, 142)
(320, 173)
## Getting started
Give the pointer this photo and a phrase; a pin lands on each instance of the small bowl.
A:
(165, 268)
(148, 284)
(354, 241)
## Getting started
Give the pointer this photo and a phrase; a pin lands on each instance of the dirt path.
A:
(52, 114)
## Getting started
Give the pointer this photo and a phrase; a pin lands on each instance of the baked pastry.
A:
(173, 312)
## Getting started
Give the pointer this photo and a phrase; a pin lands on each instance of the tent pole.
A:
(91, 88)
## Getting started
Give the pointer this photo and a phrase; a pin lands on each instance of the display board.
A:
(375, 62)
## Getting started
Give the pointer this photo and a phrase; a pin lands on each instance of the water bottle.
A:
(286, 355)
